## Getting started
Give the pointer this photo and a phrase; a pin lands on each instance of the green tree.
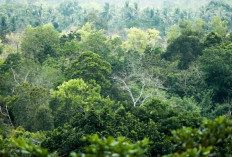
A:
(3, 28)
(215, 63)
(40, 42)
(212, 39)
(69, 8)
(75, 96)
(173, 33)
(90, 66)
(1, 47)
(18, 147)
(187, 82)
(112, 147)
(44, 118)
(85, 31)
(106, 15)
(24, 104)
(70, 49)
(154, 121)
(212, 137)
(94, 40)
(186, 49)
(28, 70)
(219, 26)
(6, 81)
(139, 40)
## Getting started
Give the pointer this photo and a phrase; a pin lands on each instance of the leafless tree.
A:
(34, 74)
(138, 82)
(6, 114)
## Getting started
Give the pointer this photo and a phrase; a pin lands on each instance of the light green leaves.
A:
(219, 26)
(110, 147)
(138, 40)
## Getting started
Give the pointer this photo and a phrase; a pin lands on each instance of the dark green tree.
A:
(154, 120)
(217, 68)
(44, 118)
(90, 66)
(186, 49)
(212, 39)
(25, 105)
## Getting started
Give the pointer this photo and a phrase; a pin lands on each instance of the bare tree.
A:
(34, 74)
(6, 114)
(138, 82)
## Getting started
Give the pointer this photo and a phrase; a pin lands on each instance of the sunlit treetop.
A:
(138, 40)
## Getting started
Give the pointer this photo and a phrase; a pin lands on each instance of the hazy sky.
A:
(141, 3)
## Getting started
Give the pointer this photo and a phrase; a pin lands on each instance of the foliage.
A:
(139, 40)
(212, 137)
(154, 120)
(215, 63)
(203, 152)
(116, 73)
(76, 96)
(1, 47)
(94, 41)
(186, 49)
(114, 147)
(90, 66)
(212, 39)
(219, 26)
(40, 42)
(25, 105)
(137, 81)
(18, 147)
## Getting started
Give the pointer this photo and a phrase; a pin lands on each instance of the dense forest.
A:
(115, 78)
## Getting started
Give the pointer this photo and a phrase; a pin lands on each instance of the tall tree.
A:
(76, 97)
(90, 66)
(216, 65)
(24, 105)
(1, 47)
(186, 49)
(40, 42)
(138, 83)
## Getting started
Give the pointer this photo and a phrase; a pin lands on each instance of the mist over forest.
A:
(125, 78)
(144, 3)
